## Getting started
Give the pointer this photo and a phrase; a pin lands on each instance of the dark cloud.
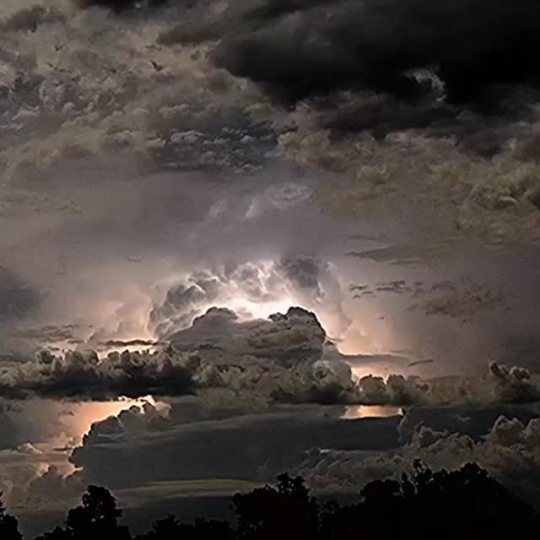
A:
(500, 384)
(508, 451)
(84, 376)
(333, 454)
(473, 421)
(251, 446)
(294, 337)
(120, 5)
(471, 47)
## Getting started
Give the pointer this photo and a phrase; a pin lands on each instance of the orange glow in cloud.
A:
(354, 412)
(79, 417)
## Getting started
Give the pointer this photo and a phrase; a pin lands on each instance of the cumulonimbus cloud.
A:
(251, 289)
(282, 359)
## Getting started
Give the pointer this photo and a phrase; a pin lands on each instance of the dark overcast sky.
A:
(375, 163)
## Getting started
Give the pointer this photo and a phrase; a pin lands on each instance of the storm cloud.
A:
(227, 362)
(465, 47)
(508, 451)
(249, 288)
(178, 175)
(211, 448)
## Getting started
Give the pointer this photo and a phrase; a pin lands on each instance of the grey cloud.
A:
(305, 273)
(28, 19)
(333, 455)
(96, 85)
(522, 345)
(16, 298)
(82, 96)
(508, 451)
(120, 5)
(295, 336)
(462, 303)
(72, 96)
(275, 358)
(258, 363)
(246, 447)
(8, 429)
(474, 421)
(282, 359)
(84, 376)
(499, 385)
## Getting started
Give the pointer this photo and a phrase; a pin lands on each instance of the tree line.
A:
(460, 504)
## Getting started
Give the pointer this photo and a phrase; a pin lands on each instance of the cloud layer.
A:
(229, 362)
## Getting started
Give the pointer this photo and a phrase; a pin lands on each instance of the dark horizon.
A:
(467, 500)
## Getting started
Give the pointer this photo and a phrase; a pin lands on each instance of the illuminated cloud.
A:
(283, 359)
(253, 290)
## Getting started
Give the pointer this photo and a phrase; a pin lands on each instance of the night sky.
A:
(243, 237)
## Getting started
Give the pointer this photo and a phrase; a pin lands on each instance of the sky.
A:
(243, 237)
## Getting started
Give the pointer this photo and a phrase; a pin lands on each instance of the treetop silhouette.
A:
(464, 503)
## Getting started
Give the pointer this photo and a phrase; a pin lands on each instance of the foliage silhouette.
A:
(465, 503)
(9, 526)
(96, 518)
(170, 529)
(285, 511)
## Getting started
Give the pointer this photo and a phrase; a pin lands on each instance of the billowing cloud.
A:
(174, 172)
(508, 451)
(283, 359)
(214, 351)
(85, 376)
(79, 89)
(408, 49)
(296, 336)
(253, 290)
(499, 385)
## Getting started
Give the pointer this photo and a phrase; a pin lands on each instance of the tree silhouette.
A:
(465, 503)
(170, 529)
(9, 526)
(57, 534)
(286, 511)
(96, 519)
